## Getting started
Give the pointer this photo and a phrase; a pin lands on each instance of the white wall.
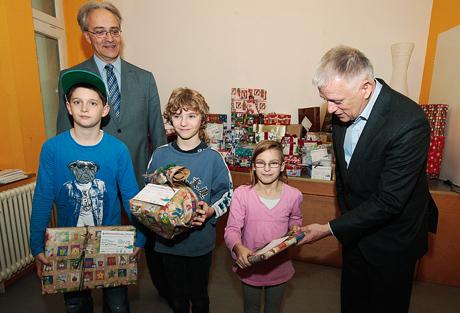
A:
(214, 45)
(446, 69)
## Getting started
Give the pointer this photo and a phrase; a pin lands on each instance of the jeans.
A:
(115, 300)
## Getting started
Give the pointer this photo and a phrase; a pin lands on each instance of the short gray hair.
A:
(85, 9)
(345, 62)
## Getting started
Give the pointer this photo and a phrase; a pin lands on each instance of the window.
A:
(50, 45)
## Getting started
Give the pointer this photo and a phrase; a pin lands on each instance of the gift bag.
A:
(167, 205)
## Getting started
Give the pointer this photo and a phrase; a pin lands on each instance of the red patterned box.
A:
(248, 100)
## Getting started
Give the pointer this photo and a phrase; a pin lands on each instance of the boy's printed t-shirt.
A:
(211, 181)
(83, 181)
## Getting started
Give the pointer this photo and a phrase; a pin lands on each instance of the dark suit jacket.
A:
(383, 195)
(140, 120)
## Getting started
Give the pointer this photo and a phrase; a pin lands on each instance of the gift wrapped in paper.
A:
(89, 257)
(167, 205)
(276, 246)
(248, 100)
(277, 119)
(294, 170)
(216, 118)
(274, 132)
(290, 145)
(215, 133)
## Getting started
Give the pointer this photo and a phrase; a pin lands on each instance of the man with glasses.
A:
(135, 113)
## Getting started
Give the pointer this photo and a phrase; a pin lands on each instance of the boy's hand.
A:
(41, 260)
(242, 254)
(137, 253)
(204, 211)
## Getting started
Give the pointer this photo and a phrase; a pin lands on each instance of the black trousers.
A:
(155, 264)
(188, 279)
(368, 288)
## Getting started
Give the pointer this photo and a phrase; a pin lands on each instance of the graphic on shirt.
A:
(196, 185)
(86, 193)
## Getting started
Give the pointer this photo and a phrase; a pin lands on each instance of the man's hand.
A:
(242, 254)
(314, 232)
(41, 260)
(204, 211)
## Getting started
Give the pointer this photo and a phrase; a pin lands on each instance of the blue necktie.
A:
(114, 91)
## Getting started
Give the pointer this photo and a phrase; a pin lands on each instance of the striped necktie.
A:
(114, 91)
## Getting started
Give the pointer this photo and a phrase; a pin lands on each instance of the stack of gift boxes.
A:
(437, 116)
(250, 124)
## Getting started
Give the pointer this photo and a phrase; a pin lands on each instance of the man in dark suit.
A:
(135, 114)
(381, 141)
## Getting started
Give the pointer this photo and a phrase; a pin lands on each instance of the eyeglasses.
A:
(115, 32)
(261, 164)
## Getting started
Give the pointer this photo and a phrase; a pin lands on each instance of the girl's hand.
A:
(242, 254)
(41, 260)
(204, 211)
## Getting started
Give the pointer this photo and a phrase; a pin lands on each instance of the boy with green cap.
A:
(83, 171)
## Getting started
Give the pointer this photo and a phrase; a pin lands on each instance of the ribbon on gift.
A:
(290, 145)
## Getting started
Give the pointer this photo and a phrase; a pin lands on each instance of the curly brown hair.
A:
(188, 100)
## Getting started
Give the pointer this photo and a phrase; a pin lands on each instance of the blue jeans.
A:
(115, 300)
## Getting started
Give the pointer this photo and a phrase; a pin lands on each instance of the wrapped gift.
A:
(89, 257)
(244, 119)
(247, 100)
(292, 159)
(217, 118)
(437, 117)
(277, 131)
(276, 246)
(244, 151)
(435, 153)
(294, 170)
(322, 172)
(290, 145)
(167, 205)
(277, 119)
(215, 134)
(266, 136)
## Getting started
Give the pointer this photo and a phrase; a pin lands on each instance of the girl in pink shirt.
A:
(259, 213)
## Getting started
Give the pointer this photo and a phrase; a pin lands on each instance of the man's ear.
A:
(367, 88)
(87, 37)
(105, 110)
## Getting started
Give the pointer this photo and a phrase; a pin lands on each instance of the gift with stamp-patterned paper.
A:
(89, 257)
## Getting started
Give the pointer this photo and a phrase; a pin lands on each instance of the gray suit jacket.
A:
(140, 123)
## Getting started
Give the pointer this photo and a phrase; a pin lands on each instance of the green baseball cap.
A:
(74, 77)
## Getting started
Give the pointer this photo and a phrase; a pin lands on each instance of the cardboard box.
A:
(89, 257)
(294, 130)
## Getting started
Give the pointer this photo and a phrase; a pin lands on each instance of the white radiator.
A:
(15, 209)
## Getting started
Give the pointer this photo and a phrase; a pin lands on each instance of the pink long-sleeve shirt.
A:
(254, 225)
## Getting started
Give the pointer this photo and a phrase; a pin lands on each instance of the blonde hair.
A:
(188, 100)
(261, 147)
